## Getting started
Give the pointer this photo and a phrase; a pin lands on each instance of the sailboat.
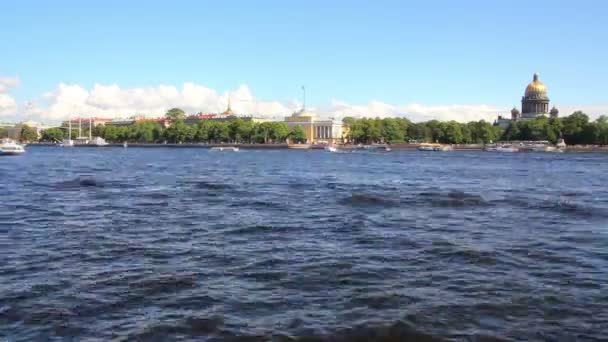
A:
(68, 142)
(97, 141)
(80, 140)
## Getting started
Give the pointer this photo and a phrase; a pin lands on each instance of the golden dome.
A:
(536, 88)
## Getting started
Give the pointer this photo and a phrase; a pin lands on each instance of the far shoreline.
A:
(403, 147)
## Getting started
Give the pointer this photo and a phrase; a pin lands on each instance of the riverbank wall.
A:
(471, 147)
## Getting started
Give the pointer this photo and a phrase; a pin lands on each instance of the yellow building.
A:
(318, 131)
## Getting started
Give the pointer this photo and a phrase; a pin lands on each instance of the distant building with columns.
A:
(534, 103)
(318, 130)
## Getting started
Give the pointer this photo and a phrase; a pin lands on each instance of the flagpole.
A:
(304, 98)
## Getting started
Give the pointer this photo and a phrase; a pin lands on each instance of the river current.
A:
(157, 244)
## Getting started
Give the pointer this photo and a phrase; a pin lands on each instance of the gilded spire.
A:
(228, 109)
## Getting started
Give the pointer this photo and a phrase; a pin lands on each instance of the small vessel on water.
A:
(98, 141)
(434, 147)
(83, 140)
(10, 148)
(501, 148)
(299, 146)
(331, 149)
(225, 148)
(377, 147)
(426, 147)
(125, 144)
(68, 142)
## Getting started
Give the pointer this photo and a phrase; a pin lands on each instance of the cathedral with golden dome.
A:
(534, 103)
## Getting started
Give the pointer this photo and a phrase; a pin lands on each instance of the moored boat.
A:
(377, 147)
(299, 146)
(225, 149)
(10, 148)
(501, 148)
(67, 143)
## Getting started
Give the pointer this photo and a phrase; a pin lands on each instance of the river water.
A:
(163, 244)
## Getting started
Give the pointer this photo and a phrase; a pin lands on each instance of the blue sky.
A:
(398, 52)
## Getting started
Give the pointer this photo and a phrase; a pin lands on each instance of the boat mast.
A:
(79, 127)
(90, 128)
(70, 128)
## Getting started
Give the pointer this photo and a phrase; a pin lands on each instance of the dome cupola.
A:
(536, 88)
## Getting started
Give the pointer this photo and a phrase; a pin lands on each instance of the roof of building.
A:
(536, 88)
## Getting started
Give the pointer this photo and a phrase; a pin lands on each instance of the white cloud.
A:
(112, 101)
(8, 105)
(415, 111)
(8, 83)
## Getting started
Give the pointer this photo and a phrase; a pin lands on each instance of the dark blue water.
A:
(191, 244)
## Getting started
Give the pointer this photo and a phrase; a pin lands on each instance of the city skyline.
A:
(431, 61)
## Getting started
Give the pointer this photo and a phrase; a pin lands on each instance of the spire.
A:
(535, 77)
(228, 109)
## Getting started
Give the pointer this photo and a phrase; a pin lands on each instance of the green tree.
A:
(602, 124)
(348, 120)
(452, 133)
(28, 133)
(235, 130)
(175, 114)
(183, 133)
(219, 132)
(297, 135)
(3, 132)
(392, 130)
(574, 125)
(52, 134)
(144, 131)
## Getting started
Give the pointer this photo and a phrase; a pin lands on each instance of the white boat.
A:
(97, 141)
(11, 148)
(561, 143)
(377, 147)
(502, 148)
(67, 143)
(426, 148)
(299, 146)
(434, 147)
(331, 149)
(226, 148)
(125, 144)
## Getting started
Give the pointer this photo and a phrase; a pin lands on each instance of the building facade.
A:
(534, 103)
(317, 131)
(13, 131)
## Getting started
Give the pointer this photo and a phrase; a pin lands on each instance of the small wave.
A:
(252, 230)
(560, 205)
(399, 331)
(164, 284)
(190, 327)
(368, 200)
(205, 185)
(84, 181)
(451, 199)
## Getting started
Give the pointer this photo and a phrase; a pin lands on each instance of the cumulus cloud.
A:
(415, 111)
(8, 106)
(8, 83)
(112, 101)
